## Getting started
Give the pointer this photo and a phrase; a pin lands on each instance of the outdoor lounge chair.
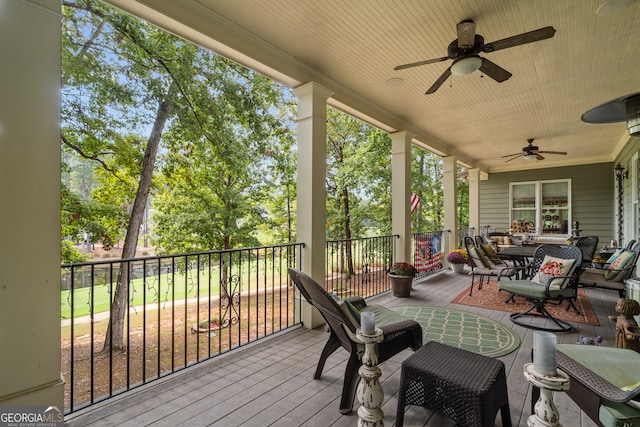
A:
(399, 333)
(485, 264)
(551, 278)
(605, 382)
(613, 273)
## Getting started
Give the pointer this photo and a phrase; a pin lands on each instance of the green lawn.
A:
(166, 288)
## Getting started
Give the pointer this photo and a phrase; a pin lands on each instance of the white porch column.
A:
(401, 193)
(311, 208)
(450, 200)
(474, 199)
(30, 216)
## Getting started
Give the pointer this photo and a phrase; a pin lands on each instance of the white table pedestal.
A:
(370, 394)
(545, 411)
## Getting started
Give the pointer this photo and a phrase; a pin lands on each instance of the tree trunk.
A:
(114, 338)
(347, 231)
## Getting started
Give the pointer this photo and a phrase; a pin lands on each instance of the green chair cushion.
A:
(353, 319)
(384, 316)
(618, 415)
(534, 290)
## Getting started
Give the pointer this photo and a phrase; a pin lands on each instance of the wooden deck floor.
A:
(271, 382)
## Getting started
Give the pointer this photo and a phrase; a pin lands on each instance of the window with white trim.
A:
(541, 207)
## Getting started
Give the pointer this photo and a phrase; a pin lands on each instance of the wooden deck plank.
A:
(271, 382)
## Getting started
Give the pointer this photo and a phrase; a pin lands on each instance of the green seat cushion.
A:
(534, 290)
(351, 313)
(384, 316)
(618, 415)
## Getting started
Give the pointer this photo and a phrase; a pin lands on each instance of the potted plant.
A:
(457, 258)
(401, 275)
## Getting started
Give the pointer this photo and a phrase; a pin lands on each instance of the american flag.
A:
(415, 201)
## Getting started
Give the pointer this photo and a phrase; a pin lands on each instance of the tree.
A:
(214, 183)
(357, 166)
(115, 68)
(427, 184)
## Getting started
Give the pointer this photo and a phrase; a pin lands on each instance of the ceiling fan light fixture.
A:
(466, 65)
(530, 156)
(612, 6)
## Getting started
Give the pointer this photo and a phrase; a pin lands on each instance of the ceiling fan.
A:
(465, 49)
(531, 152)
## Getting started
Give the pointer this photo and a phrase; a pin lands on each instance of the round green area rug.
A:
(461, 329)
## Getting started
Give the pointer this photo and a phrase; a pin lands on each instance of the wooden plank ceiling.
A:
(351, 47)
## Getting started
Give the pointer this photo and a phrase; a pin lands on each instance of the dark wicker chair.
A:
(540, 295)
(588, 245)
(398, 335)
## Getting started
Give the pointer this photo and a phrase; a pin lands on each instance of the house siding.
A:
(592, 197)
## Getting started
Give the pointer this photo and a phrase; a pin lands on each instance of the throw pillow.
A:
(614, 270)
(351, 313)
(554, 267)
(491, 254)
(478, 256)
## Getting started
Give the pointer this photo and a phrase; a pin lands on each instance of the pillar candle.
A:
(544, 353)
(368, 323)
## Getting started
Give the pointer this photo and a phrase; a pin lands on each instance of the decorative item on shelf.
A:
(458, 258)
(401, 275)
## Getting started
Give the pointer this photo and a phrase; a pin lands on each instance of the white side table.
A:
(545, 411)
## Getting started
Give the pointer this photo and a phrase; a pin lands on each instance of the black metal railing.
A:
(180, 310)
(465, 232)
(359, 266)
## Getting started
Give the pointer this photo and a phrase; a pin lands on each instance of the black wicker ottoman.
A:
(467, 387)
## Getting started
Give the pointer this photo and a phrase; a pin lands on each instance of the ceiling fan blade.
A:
(439, 82)
(553, 152)
(494, 71)
(515, 157)
(539, 157)
(514, 154)
(466, 34)
(416, 64)
(520, 39)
